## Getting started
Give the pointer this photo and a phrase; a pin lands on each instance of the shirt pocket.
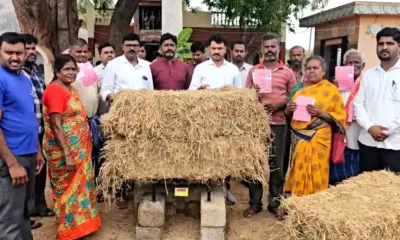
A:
(395, 90)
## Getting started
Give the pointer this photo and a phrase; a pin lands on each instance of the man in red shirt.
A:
(282, 83)
(168, 72)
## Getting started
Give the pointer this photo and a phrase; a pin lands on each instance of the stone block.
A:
(192, 209)
(172, 210)
(210, 233)
(152, 214)
(213, 213)
(148, 233)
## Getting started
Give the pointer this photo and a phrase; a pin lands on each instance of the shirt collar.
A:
(245, 66)
(211, 62)
(140, 61)
(397, 65)
(31, 69)
(281, 65)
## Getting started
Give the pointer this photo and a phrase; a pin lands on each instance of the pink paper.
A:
(89, 76)
(301, 113)
(344, 75)
(263, 78)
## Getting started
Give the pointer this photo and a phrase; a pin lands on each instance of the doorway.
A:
(332, 51)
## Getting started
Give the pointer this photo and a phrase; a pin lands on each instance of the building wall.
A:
(336, 29)
(199, 19)
(369, 26)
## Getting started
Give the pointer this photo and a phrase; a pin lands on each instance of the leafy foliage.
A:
(183, 47)
(268, 15)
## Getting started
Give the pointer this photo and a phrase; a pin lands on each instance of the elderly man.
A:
(377, 107)
(351, 167)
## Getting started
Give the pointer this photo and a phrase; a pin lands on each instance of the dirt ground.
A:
(120, 224)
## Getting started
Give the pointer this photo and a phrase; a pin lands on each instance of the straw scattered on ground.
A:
(363, 207)
(194, 135)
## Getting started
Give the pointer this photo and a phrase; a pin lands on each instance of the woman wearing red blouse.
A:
(67, 146)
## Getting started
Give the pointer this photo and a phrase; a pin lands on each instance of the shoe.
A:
(230, 199)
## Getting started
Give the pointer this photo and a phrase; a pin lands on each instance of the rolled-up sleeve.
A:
(108, 83)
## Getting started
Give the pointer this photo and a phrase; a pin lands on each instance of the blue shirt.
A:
(18, 121)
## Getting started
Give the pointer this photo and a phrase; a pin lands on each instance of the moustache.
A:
(216, 54)
(18, 62)
(170, 51)
(269, 53)
(132, 51)
(384, 51)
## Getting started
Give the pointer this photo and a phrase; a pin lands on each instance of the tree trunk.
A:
(120, 21)
(35, 17)
(67, 23)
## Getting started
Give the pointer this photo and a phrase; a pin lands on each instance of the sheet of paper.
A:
(88, 75)
(344, 75)
(263, 78)
(301, 113)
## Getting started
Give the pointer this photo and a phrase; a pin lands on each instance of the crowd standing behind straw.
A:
(347, 132)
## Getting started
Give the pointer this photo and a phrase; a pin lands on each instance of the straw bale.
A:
(363, 207)
(194, 135)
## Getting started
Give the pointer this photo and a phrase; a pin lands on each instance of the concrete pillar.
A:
(90, 20)
(172, 16)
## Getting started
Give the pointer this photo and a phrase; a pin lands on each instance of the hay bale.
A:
(363, 207)
(194, 135)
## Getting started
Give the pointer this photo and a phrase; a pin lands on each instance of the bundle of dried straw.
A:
(194, 135)
(363, 207)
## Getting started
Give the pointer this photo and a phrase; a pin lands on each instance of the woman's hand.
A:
(69, 161)
(313, 110)
(291, 107)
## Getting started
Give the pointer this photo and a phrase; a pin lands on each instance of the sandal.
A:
(250, 213)
(35, 225)
(47, 213)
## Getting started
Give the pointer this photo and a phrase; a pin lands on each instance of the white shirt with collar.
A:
(244, 72)
(121, 74)
(378, 103)
(99, 69)
(216, 77)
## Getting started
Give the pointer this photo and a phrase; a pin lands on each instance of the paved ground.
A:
(120, 224)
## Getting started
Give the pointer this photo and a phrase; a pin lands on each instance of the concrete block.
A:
(172, 210)
(213, 213)
(192, 209)
(210, 233)
(152, 214)
(148, 233)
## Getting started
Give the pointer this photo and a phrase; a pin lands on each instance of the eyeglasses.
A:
(132, 45)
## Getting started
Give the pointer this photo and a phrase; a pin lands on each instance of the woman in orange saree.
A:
(311, 141)
(67, 147)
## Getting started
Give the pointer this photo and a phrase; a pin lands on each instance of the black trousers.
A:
(372, 158)
(276, 179)
(39, 205)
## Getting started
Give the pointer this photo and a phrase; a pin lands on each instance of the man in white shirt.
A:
(377, 107)
(351, 166)
(239, 54)
(216, 72)
(107, 53)
(127, 71)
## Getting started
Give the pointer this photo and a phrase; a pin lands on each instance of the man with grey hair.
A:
(351, 167)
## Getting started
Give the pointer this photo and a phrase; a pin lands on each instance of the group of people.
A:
(58, 124)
